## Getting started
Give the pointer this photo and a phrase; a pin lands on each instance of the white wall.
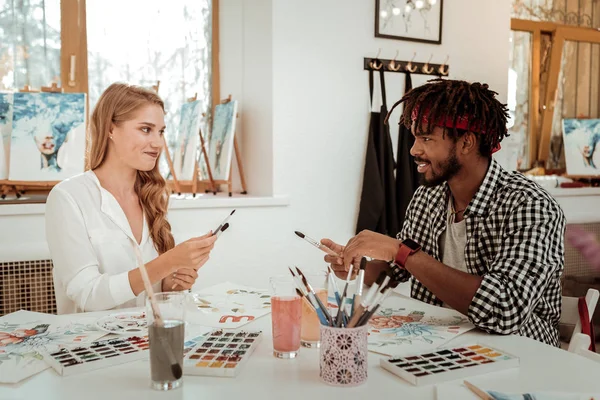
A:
(320, 91)
(296, 66)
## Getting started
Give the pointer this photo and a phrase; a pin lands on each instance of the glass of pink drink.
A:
(286, 314)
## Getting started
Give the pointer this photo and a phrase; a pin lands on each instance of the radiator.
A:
(27, 285)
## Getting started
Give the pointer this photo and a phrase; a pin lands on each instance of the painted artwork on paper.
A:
(221, 139)
(408, 326)
(230, 305)
(581, 137)
(48, 136)
(188, 139)
(6, 100)
(24, 334)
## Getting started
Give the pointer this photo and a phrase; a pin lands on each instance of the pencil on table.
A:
(482, 394)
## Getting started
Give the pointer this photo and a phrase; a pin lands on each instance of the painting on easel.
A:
(6, 100)
(581, 137)
(186, 152)
(221, 140)
(48, 136)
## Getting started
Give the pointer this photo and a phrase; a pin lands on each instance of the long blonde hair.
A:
(116, 105)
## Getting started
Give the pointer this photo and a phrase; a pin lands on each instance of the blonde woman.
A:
(93, 220)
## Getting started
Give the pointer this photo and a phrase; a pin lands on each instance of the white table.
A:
(265, 377)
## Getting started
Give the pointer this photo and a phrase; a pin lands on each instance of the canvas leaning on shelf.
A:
(48, 136)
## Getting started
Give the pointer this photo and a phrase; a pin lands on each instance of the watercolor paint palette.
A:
(449, 364)
(222, 353)
(99, 354)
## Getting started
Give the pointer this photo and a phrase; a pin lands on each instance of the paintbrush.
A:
(158, 321)
(223, 229)
(336, 291)
(341, 311)
(304, 298)
(317, 244)
(359, 285)
(482, 394)
(218, 233)
(311, 299)
(366, 300)
(223, 223)
(316, 298)
(375, 306)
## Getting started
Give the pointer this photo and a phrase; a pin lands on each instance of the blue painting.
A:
(581, 137)
(6, 100)
(48, 136)
(188, 140)
(221, 140)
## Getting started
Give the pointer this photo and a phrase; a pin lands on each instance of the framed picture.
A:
(48, 136)
(413, 20)
(221, 140)
(581, 137)
(6, 100)
(188, 140)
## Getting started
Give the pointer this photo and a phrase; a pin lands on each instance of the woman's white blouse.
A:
(91, 244)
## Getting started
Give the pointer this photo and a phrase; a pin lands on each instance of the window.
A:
(165, 42)
(146, 41)
(29, 43)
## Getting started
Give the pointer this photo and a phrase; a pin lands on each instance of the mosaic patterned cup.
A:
(343, 355)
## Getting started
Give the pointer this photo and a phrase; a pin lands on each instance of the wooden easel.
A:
(194, 182)
(53, 88)
(238, 158)
(19, 188)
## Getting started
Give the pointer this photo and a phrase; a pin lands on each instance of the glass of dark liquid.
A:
(166, 338)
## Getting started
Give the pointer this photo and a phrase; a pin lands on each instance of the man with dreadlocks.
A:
(482, 240)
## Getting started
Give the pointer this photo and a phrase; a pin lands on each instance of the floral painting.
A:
(404, 326)
(24, 334)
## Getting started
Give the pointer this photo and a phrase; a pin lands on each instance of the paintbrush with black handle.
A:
(314, 294)
(175, 367)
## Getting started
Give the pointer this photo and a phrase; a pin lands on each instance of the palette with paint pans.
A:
(125, 323)
(99, 354)
(222, 353)
(449, 364)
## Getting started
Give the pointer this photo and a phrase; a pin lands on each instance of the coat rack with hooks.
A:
(417, 68)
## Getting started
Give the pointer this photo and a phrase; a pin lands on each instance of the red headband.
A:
(462, 122)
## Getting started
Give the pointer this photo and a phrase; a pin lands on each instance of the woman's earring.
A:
(110, 137)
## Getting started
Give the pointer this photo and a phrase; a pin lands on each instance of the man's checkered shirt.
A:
(515, 241)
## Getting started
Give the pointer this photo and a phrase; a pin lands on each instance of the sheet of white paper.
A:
(228, 305)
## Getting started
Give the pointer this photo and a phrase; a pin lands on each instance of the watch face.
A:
(411, 244)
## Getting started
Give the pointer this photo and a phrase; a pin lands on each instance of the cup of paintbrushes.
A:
(166, 336)
(343, 355)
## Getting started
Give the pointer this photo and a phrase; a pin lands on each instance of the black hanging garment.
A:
(378, 209)
(407, 176)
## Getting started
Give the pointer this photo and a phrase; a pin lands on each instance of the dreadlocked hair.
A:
(448, 100)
